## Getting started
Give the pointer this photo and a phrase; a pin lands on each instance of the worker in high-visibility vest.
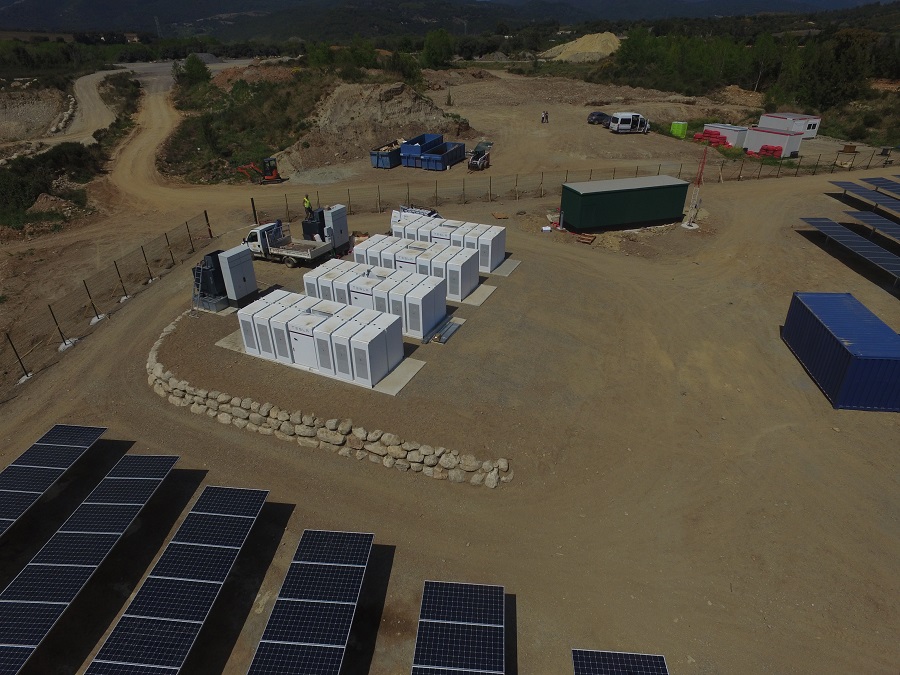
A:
(308, 206)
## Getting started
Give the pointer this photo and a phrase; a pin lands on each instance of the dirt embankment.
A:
(586, 49)
(29, 114)
(357, 117)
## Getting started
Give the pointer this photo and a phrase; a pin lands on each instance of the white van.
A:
(629, 123)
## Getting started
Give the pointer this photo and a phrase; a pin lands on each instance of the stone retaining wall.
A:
(337, 435)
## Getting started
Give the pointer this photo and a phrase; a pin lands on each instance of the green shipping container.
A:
(599, 204)
(679, 129)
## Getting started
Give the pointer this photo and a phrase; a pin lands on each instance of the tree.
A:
(438, 49)
(191, 72)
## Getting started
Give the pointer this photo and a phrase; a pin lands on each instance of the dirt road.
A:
(681, 486)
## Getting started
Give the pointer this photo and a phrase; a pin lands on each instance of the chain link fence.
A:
(483, 187)
(40, 337)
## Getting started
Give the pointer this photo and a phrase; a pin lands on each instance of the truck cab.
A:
(263, 238)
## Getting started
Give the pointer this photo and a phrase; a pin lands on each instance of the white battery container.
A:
(425, 228)
(399, 275)
(423, 262)
(373, 253)
(264, 331)
(397, 301)
(303, 345)
(393, 332)
(326, 283)
(370, 361)
(341, 287)
(324, 350)
(359, 250)
(462, 275)
(276, 295)
(419, 310)
(411, 228)
(458, 238)
(340, 343)
(281, 337)
(311, 279)
(442, 233)
(439, 262)
(362, 292)
(347, 312)
(380, 272)
(366, 316)
(389, 254)
(361, 269)
(491, 248)
(305, 304)
(381, 295)
(245, 320)
(471, 237)
(415, 278)
(326, 308)
(438, 295)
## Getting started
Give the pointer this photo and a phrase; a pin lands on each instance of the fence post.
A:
(816, 167)
(517, 187)
(614, 173)
(287, 209)
(759, 173)
(591, 174)
(659, 169)
(834, 163)
(147, 263)
(63, 337)
(93, 306)
(799, 163)
(208, 227)
(349, 206)
(567, 176)
(378, 202)
(636, 169)
(119, 274)
(679, 171)
(169, 246)
(542, 183)
(491, 189)
(780, 164)
(741, 170)
(190, 239)
(253, 206)
(25, 373)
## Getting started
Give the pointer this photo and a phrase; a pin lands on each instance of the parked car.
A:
(598, 117)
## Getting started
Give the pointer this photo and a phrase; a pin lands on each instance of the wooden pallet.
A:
(586, 238)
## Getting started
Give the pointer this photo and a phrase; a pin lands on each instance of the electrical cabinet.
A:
(324, 349)
(238, 274)
(419, 312)
(389, 254)
(462, 274)
(471, 237)
(305, 304)
(373, 253)
(245, 320)
(406, 259)
(366, 316)
(348, 312)
(340, 343)
(397, 301)
(442, 233)
(439, 262)
(491, 248)
(423, 262)
(399, 275)
(341, 287)
(370, 355)
(303, 346)
(326, 308)
(458, 238)
(359, 250)
(362, 291)
(281, 337)
(264, 332)
(392, 326)
(425, 228)
(326, 283)
(381, 295)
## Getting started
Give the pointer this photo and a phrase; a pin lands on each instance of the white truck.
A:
(325, 236)
(629, 123)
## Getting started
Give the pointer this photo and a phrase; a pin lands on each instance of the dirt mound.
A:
(28, 114)
(253, 73)
(593, 47)
(734, 95)
(358, 117)
(441, 79)
(49, 204)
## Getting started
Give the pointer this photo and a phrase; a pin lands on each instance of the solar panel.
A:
(160, 625)
(587, 662)
(858, 244)
(37, 597)
(879, 198)
(461, 629)
(884, 184)
(309, 627)
(30, 475)
(877, 222)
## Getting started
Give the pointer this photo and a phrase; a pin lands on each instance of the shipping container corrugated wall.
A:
(849, 352)
(628, 201)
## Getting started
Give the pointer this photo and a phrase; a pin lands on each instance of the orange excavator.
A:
(268, 174)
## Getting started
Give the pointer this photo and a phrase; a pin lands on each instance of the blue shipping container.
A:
(849, 352)
(412, 150)
(443, 156)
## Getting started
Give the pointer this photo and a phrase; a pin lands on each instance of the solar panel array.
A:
(157, 631)
(884, 184)
(587, 662)
(24, 481)
(858, 244)
(34, 601)
(878, 198)
(877, 223)
(461, 630)
(310, 623)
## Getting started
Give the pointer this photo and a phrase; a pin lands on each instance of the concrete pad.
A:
(399, 377)
(479, 295)
(391, 385)
(506, 268)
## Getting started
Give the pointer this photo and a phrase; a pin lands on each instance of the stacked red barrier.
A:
(767, 151)
(713, 138)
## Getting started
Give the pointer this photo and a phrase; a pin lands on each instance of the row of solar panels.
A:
(461, 627)
(858, 244)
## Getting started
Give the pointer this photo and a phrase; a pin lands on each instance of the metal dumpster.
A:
(387, 156)
(412, 150)
(443, 156)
